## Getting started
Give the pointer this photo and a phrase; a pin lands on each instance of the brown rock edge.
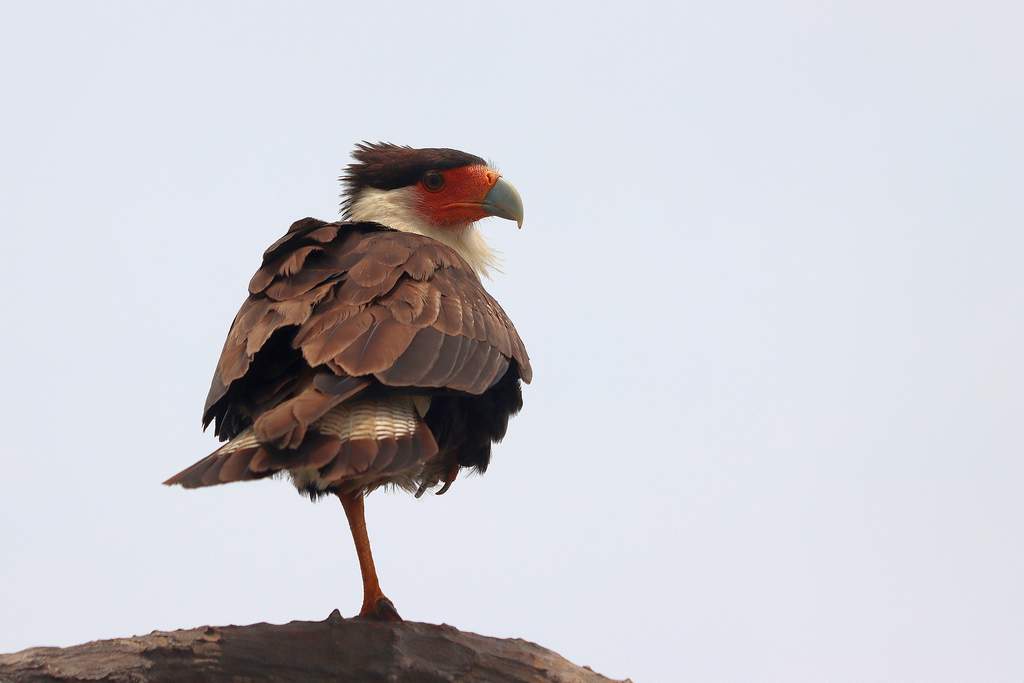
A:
(335, 649)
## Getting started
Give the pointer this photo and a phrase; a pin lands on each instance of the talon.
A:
(381, 610)
(453, 472)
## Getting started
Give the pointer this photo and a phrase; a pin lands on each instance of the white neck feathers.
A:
(398, 209)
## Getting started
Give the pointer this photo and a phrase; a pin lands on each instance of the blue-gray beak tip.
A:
(504, 201)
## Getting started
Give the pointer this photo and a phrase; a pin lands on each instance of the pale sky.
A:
(770, 279)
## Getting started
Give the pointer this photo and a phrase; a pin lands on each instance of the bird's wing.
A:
(337, 306)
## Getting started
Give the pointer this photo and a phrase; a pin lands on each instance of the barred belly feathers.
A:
(368, 353)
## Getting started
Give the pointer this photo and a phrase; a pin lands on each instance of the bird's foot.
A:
(380, 609)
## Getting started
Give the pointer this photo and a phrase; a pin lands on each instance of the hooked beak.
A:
(504, 201)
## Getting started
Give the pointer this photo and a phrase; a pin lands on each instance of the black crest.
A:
(386, 166)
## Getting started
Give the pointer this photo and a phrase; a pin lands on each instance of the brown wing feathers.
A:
(334, 309)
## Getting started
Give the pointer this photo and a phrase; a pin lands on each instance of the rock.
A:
(335, 649)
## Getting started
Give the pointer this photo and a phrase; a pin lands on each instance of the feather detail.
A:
(337, 309)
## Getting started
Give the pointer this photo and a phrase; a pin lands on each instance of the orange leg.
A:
(375, 603)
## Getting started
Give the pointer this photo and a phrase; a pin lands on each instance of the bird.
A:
(368, 353)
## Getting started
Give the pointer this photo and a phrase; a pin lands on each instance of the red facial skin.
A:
(459, 201)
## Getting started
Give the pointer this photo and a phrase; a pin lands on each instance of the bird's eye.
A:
(433, 181)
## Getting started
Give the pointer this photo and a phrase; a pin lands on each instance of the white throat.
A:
(397, 209)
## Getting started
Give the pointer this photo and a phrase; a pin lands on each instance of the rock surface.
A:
(336, 649)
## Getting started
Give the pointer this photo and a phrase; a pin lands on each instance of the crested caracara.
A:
(368, 353)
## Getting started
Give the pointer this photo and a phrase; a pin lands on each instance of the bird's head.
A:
(439, 193)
